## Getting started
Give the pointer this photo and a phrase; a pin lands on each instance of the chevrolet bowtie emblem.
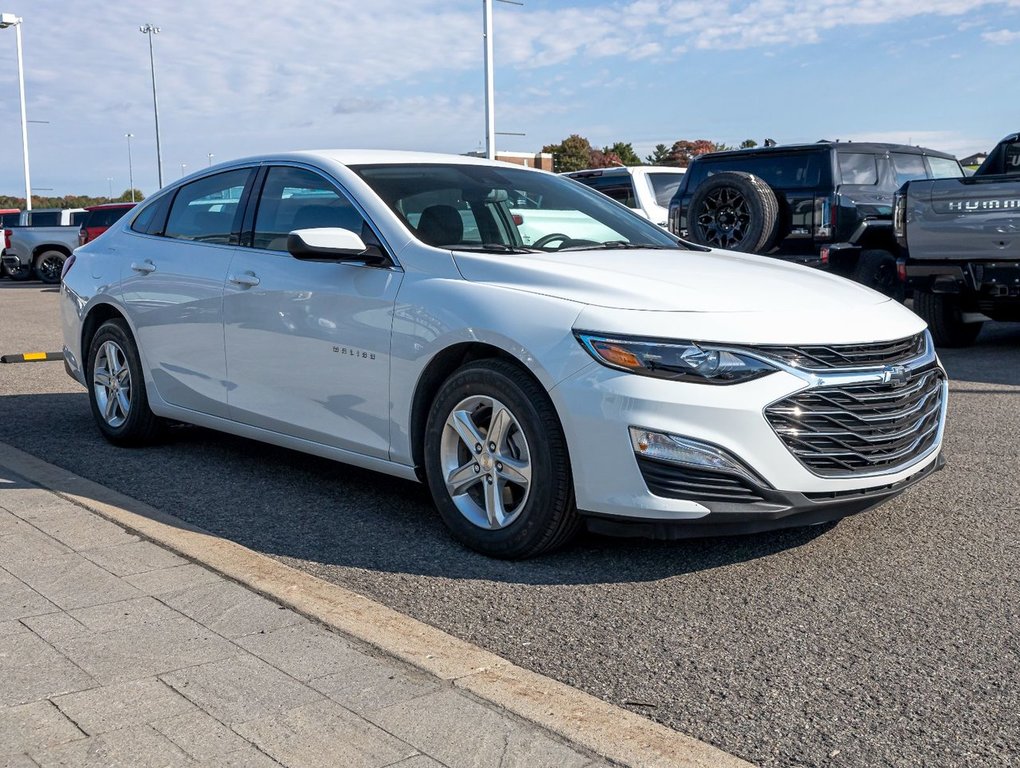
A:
(896, 375)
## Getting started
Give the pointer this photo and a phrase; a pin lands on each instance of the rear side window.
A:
(152, 217)
(104, 217)
(206, 211)
(804, 170)
(908, 167)
(858, 168)
(664, 186)
(944, 168)
(78, 217)
(44, 218)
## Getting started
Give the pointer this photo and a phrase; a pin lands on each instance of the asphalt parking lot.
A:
(890, 639)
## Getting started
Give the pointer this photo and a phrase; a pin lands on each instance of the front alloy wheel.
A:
(486, 463)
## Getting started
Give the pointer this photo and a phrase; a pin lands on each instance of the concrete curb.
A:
(578, 717)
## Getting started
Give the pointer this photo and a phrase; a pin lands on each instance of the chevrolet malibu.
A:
(383, 309)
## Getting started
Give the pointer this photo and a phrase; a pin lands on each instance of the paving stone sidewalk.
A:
(117, 652)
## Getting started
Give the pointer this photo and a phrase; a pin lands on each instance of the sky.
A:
(242, 77)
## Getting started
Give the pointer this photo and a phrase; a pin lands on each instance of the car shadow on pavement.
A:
(993, 359)
(298, 507)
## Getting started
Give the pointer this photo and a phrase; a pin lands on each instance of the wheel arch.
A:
(435, 373)
(41, 249)
(91, 323)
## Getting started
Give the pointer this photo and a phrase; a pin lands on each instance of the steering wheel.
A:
(542, 242)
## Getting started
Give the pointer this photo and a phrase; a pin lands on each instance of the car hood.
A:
(705, 295)
(668, 280)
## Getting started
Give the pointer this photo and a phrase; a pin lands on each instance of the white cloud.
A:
(1001, 37)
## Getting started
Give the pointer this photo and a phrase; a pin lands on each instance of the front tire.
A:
(48, 266)
(497, 464)
(117, 394)
(944, 316)
(876, 269)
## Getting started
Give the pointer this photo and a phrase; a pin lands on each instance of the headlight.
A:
(675, 360)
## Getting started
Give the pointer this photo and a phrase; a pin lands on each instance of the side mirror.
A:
(328, 244)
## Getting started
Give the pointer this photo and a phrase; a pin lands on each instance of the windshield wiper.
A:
(493, 248)
(622, 245)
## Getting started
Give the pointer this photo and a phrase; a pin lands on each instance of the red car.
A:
(99, 218)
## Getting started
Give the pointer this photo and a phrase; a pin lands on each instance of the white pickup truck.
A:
(646, 189)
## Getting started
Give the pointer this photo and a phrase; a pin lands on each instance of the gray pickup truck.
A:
(38, 250)
(961, 246)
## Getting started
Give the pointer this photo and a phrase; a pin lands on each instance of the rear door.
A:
(173, 289)
(308, 342)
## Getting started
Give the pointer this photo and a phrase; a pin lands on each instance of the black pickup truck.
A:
(827, 204)
(960, 240)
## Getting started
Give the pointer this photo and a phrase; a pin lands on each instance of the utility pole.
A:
(150, 30)
(10, 20)
(131, 172)
(490, 108)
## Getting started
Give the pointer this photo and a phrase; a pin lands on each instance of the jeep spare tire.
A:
(734, 210)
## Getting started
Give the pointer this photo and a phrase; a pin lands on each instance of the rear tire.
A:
(945, 319)
(48, 266)
(116, 385)
(877, 270)
(496, 462)
(735, 211)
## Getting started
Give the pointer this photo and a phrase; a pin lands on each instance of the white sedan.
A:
(383, 309)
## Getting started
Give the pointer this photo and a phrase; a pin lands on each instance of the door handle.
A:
(144, 267)
(247, 280)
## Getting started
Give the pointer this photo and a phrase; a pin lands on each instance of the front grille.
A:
(861, 428)
(820, 356)
(677, 482)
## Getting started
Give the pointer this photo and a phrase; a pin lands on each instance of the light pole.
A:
(183, 166)
(210, 156)
(150, 30)
(131, 173)
(10, 20)
(109, 182)
(490, 108)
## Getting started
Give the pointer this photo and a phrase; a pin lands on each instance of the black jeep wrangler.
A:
(828, 204)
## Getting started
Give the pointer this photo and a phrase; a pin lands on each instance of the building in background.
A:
(541, 160)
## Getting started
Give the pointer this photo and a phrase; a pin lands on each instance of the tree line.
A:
(68, 201)
(575, 153)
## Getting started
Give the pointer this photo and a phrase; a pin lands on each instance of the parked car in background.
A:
(646, 189)
(51, 217)
(38, 251)
(99, 218)
(827, 204)
(961, 246)
(382, 309)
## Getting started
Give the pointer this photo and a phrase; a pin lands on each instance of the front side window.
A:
(481, 207)
(295, 198)
(206, 210)
(908, 167)
(858, 168)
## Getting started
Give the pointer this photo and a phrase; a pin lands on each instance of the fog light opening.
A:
(693, 453)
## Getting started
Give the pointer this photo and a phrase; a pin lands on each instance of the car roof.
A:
(377, 157)
(106, 206)
(864, 147)
(621, 170)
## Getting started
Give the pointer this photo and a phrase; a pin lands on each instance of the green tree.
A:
(624, 151)
(571, 154)
(748, 144)
(659, 156)
(685, 150)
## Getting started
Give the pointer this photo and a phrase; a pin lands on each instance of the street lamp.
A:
(490, 108)
(131, 173)
(109, 182)
(183, 166)
(210, 156)
(10, 20)
(151, 30)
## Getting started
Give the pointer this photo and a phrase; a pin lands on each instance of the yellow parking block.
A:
(32, 357)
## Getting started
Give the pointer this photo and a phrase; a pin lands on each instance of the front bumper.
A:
(778, 510)
(598, 406)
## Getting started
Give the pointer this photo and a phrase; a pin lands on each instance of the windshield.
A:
(483, 207)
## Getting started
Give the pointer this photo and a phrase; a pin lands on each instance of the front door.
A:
(308, 343)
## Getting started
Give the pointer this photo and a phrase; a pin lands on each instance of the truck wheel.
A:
(877, 270)
(736, 211)
(48, 266)
(945, 319)
(20, 272)
(496, 462)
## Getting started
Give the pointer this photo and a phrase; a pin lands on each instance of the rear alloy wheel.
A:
(944, 316)
(48, 266)
(735, 211)
(877, 270)
(496, 462)
(117, 388)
